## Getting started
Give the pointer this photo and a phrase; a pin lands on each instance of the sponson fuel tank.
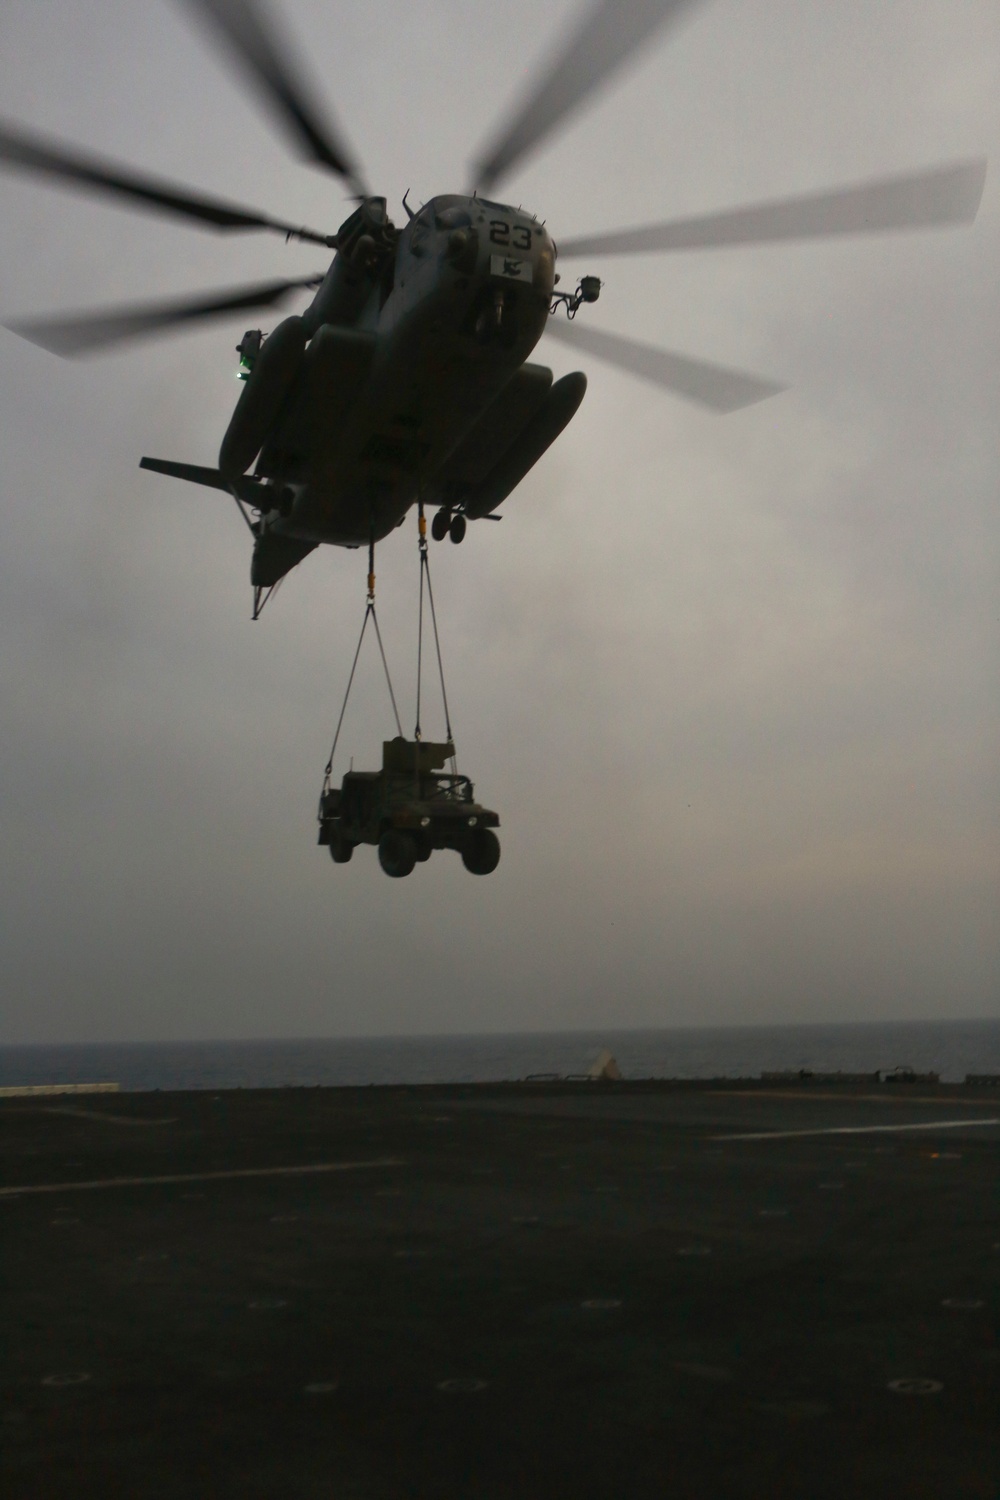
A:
(275, 368)
(559, 407)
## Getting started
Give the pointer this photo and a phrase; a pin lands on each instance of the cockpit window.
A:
(420, 231)
(453, 218)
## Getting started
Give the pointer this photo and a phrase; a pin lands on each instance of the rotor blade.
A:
(604, 39)
(918, 200)
(31, 153)
(89, 332)
(709, 385)
(255, 43)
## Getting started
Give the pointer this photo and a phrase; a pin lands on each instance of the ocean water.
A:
(951, 1048)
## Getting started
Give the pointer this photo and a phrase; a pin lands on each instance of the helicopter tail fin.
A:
(251, 491)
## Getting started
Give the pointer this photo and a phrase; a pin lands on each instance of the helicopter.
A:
(409, 378)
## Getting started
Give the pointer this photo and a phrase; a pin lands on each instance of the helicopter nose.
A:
(545, 266)
(462, 249)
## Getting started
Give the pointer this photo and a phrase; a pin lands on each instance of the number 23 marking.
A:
(500, 234)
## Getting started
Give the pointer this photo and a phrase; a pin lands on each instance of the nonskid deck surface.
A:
(502, 1291)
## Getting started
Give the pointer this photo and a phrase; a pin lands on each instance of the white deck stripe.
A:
(784, 1135)
(808, 1094)
(100, 1115)
(36, 1090)
(113, 1182)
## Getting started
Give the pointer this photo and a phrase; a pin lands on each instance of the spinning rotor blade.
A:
(918, 200)
(99, 330)
(30, 153)
(709, 385)
(605, 38)
(253, 40)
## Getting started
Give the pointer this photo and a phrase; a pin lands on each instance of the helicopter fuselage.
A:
(406, 378)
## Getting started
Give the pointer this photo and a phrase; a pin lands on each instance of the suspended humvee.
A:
(408, 809)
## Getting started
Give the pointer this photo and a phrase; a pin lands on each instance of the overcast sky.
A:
(731, 682)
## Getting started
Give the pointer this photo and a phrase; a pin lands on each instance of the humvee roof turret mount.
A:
(408, 809)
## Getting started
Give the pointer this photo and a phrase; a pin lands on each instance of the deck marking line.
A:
(807, 1093)
(784, 1135)
(114, 1182)
(39, 1090)
(98, 1114)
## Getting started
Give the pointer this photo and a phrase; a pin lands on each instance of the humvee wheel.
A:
(341, 849)
(457, 529)
(397, 852)
(440, 524)
(481, 854)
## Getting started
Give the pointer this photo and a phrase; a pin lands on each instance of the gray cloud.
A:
(732, 683)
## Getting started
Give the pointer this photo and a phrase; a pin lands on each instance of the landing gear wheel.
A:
(440, 523)
(481, 854)
(457, 528)
(397, 853)
(341, 849)
(423, 854)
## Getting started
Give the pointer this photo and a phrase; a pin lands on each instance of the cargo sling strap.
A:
(425, 577)
(371, 614)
